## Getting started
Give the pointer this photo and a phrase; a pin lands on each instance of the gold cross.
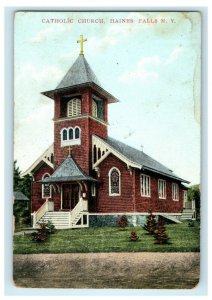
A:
(69, 150)
(81, 41)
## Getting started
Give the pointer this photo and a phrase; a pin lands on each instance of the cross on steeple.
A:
(81, 41)
(69, 150)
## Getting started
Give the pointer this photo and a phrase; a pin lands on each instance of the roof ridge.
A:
(141, 152)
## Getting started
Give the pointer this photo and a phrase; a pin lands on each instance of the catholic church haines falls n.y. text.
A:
(86, 177)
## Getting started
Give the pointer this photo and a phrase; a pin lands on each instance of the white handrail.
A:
(77, 209)
(40, 212)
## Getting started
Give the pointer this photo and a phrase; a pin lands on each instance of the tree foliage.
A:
(194, 194)
(21, 184)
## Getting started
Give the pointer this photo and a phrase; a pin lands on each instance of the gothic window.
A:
(162, 189)
(46, 189)
(64, 135)
(71, 134)
(145, 185)
(175, 191)
(77, 133)
(74, 107)
(114, 182)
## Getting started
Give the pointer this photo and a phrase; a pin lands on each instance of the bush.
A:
(122, 222)
(41, 234)
(50, 228)
(151, 223)
(133, 236)
(160, 233)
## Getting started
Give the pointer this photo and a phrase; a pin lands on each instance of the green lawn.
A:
(110, 239)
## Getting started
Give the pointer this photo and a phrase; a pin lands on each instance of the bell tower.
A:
(80, 111)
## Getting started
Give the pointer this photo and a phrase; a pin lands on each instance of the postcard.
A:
(107, 149)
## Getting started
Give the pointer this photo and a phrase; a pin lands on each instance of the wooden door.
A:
(74, 195)
(66, 196)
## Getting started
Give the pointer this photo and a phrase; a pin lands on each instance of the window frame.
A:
(109, 176)
(175, 192)
(144, 184)
(70, 142)
(43, 184)
(163, 188)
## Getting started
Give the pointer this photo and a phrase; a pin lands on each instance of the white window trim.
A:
(46, 197)
(114, 194)
(143, 195)
(178, 194)
(164, 181)
(73, 141)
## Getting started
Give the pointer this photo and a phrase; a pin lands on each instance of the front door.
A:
(70, 196)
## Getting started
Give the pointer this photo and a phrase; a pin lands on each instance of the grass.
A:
(110, 239)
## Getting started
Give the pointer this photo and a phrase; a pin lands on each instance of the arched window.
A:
(46, 188)
(74, 107)
(94, 109)
(64, 135)
(70, 134)
(114, 182)
(77, 133)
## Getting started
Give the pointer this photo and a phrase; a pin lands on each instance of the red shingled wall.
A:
(81, 153)
(36, 196)
(143, 204)
(131, 199)
(122, 203)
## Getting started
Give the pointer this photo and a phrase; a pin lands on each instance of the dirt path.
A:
(107, 270)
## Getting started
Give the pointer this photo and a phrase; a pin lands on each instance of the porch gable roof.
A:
(68, 171)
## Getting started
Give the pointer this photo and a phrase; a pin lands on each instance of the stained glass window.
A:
(46, 189)
(114, 182)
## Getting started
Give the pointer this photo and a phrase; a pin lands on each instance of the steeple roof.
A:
(68, 171)
(79, 73)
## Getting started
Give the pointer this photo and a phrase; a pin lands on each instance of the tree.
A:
(194, 194)
(150, 223)
(161, 236)
(22, 184)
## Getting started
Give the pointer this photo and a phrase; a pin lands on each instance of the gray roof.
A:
(20, 196)
(79, 73)
(139, 157)
(68, 171)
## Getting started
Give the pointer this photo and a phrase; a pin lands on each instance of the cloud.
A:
(49, 32)
(174, 55)
(145, 69)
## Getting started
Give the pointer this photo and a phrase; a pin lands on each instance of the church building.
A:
(86, 178)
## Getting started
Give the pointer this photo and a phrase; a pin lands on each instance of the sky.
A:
(150, 63)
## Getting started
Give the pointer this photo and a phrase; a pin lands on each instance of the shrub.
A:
(151, 223)
(160, 233)
(50, 228)
(133, 236)
(41, 234)
(122, 222)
